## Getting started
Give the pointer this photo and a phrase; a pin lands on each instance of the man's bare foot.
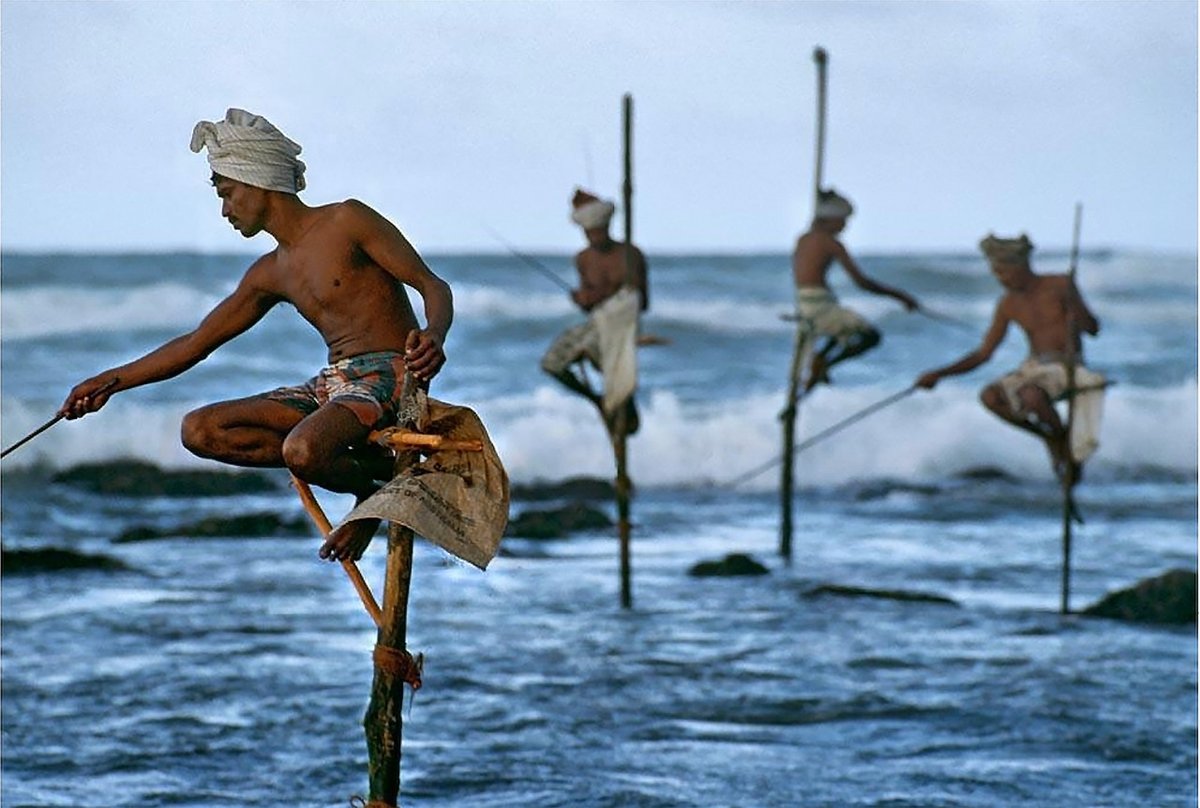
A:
(349, 542)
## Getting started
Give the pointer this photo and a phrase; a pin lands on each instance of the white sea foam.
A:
(44, 311)
(548, 434)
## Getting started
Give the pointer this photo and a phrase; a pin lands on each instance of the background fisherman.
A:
(603, 294)
(1053, 315)
(344, 267)
(847, 333)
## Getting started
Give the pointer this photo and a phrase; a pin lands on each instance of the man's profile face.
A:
(242, 205)
(1012, 275)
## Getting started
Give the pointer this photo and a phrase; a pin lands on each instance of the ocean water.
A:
(235, 671)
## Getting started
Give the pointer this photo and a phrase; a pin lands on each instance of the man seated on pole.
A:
(343, 267)
(846, 332)
(612, 305)
(1053, 315)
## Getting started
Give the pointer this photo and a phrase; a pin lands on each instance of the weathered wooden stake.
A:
(791, 409)
(1068, 476)
(620, 431)
(394, 665)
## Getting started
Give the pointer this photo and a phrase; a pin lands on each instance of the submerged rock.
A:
(1167, 598)
(587, 488)
(884, 594)
(986, 474)
(133, 478)
(731, 565)
(243, 526)
(557, 523)
(53, 559)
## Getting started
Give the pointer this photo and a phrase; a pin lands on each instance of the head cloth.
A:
(1007, 250)
(589, 211)
(832, 205)
(247, 148)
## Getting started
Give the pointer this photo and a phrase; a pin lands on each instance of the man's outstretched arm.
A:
(991, 339)
(233, 315)
(870, 284)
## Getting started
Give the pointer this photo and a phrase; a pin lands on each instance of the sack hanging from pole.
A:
(456, 499)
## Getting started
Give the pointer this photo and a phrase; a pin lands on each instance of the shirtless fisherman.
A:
(602, 273)
(344, 267)
(847, 333)
(1051, 312)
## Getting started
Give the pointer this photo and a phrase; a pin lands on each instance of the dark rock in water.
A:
(884, 594)
(554, 524)
(1167, 598)
(588, 488)
(252, 524)
(987, 474)
(730, 565)
(133, 478)
(52, 559)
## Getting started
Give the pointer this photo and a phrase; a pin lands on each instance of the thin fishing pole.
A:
(531, 262)
(820, 436)
(103, 389)
(946, 318)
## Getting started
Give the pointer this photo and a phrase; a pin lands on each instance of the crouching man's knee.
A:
(198, 432)
(300, 458)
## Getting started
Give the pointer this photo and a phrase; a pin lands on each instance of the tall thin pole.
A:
(821, 57)
(1068, 475)
(394, 665)
(621, 427)
(802, 343)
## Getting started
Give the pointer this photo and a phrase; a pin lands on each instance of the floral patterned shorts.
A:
(369, 385)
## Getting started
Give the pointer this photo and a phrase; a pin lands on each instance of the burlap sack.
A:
(457, 500)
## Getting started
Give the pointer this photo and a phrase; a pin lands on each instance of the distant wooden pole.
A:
(791, 408)
(394, 665)
(1068, 476)
(821, 57)
(620, 430)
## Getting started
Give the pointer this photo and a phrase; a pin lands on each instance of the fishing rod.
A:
(945, 318)
(531, 261)
(822, 435)
(103, 389)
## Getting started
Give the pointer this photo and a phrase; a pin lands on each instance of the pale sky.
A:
(946, 119)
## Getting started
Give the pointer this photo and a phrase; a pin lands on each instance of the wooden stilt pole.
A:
(323, 525)
(394, 665)
(1068, 475)
(791, 409)
(620, 431)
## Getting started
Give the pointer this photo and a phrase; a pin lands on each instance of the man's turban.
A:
(247, 148)
(1007, 250)
(589, 211)
(832, 205)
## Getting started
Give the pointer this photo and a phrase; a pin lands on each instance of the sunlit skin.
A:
(343, 267)
(1053, 315)
(812, 258)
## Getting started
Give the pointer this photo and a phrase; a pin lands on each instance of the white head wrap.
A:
(247, 148)
(590, 212)
(832, 205)
(1007, 250)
